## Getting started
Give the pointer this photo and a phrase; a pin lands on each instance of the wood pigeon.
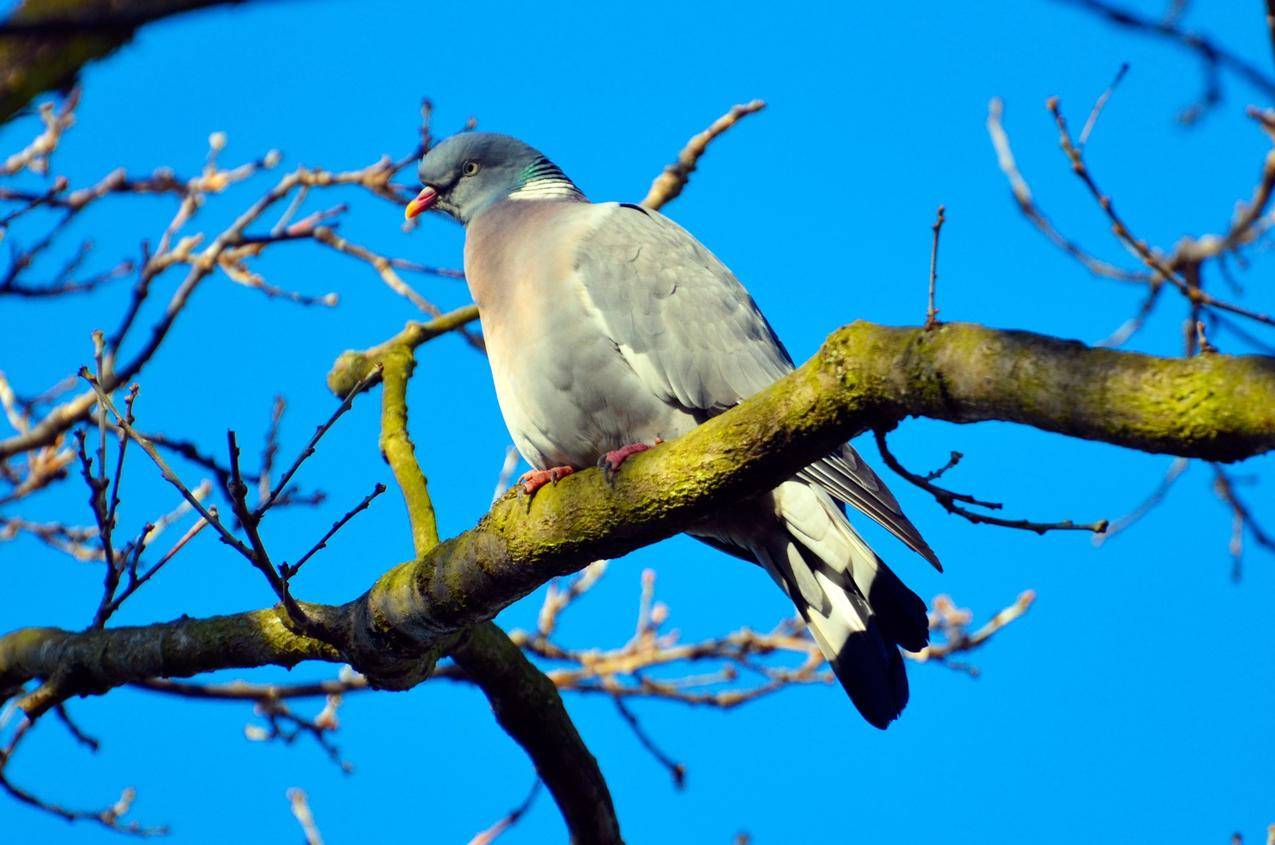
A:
(609, 328)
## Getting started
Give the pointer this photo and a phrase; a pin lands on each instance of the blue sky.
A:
(1131, 704)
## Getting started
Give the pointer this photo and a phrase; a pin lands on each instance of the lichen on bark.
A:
(1216, 407)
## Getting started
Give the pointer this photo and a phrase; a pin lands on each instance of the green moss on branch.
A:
(354, 366)
(396, 446)
(95, 661)
(1215, 407)
(526, 703)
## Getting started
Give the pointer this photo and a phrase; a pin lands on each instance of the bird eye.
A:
(470, 168)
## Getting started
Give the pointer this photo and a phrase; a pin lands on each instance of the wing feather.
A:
(696, 338)
(683, 321)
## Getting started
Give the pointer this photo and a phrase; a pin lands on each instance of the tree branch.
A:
(1213, 406)
(526, 703)
(45, 43)
(354, 366)
(669, 184)
(1212, 56)
(397, 449)
(528, 706)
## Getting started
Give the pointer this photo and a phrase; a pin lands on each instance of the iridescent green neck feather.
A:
(542, 179)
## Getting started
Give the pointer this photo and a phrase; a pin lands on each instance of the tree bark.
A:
(529, 707)
(1216, 407)
(45, 43)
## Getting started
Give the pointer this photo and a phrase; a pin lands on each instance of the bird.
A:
(609, 329)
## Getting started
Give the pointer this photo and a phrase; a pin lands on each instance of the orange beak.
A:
(423, 201)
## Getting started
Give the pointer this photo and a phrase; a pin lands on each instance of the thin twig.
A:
(166, 471)
(1155, 262)
(271, 447)
(931, 312)
(1027, 205)
(486, 837)
(1176, 469)
(1213, 57)
(310, 446)
(1098, 105)
(291, 570)
(669, 184)
(305, 818)
(110, 817)
(676, 770)
(1242, 519)
(948, 499)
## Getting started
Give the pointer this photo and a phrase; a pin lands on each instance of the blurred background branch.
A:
(45, 43)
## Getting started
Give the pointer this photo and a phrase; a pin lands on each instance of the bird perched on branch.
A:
(610, 328)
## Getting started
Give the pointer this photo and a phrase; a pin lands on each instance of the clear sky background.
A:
(1133, 703)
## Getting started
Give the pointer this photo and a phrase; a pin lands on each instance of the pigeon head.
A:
(472, 171)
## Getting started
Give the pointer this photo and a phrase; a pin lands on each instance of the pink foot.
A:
(612, 460)
(537, 478)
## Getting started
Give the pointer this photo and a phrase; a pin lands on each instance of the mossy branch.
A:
(525, 702)
(354, 366)
(529, 707)
(1215, 407)
(397, 364)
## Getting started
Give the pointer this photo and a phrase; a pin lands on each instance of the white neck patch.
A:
(546, 188)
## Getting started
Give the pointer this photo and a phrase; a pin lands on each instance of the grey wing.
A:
(680, 318)
(695, 337)
(848, 479)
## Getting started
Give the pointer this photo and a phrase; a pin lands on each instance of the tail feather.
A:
(869, 667)
(903, 614)
(857, 610)
(815, 521)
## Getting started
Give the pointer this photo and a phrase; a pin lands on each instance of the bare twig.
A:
(1176, 469)
(136, 581)
(109, 817)
(676, 770)
(271, 448)
(507, 467)
(237, 492)
(949, 499)
(947, 618)
(228, 251)
(489, 835)
(1098, 105)
(1027, 205)
(301, 810)
(622, 673)
(1242, 519)
(1213, 57)
(384, 267)
(1157, 263)
(557, 599)
(73, 540)
(166, 471)
(56, 121)
(287, 727)
(76, 732)
(289, 570)
(931, 313)
(1134, 324)
(669, 184)
(313, 443)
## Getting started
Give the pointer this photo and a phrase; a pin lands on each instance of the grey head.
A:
(472, 171)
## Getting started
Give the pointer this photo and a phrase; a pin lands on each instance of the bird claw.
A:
(537, 478)
(611, 461)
